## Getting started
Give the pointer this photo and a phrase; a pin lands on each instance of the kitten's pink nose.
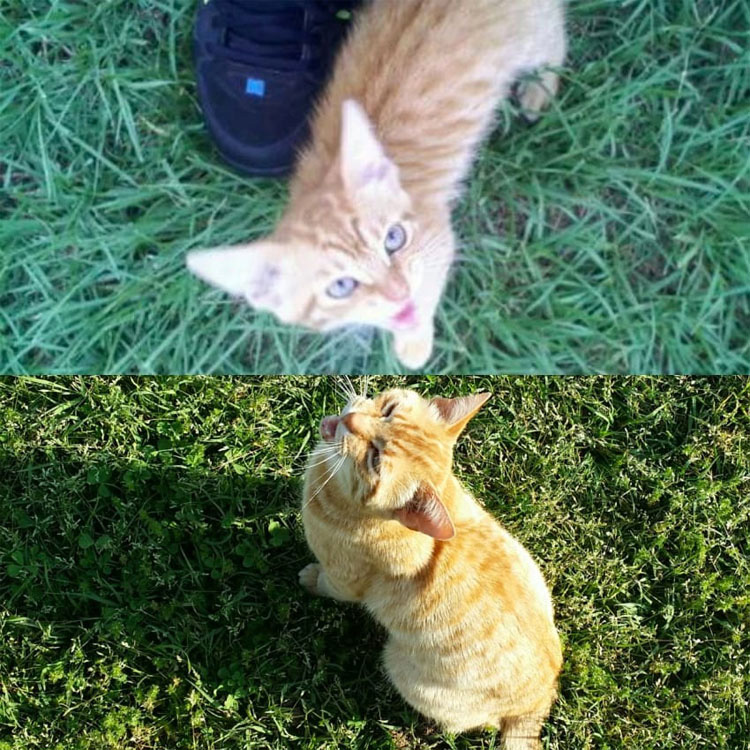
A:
(395, 288)
(328, 427)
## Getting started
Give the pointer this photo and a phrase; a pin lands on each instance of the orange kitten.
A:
(472, 639)
(366, 237)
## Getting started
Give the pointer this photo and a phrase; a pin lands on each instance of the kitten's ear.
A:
(258, 272)
(456, 412)
(364, 163)
(427, 514)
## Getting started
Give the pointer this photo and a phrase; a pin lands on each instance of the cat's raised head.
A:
(397, 450)
(350, 252)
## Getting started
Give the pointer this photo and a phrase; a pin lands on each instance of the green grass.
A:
(150, 541)
(610, 237)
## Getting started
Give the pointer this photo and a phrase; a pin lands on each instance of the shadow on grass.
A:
(166, 597)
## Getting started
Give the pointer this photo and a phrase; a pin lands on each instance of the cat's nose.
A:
(395, 288)
(354, 422)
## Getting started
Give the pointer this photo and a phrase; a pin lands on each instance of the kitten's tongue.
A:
(407, 318)
(328, 427)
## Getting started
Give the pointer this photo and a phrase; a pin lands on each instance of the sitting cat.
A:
(472, 639)
(366, 237)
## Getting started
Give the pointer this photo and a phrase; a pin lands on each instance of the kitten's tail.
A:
(522, 732)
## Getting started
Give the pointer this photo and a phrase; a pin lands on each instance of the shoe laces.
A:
(283, 34)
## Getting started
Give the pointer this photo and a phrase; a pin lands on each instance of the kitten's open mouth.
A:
(407, 317)
(328, 427)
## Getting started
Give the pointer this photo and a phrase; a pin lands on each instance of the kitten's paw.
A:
(414, 352)
(535, 94)
(308, 577)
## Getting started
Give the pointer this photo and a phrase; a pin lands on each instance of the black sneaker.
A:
(259, 65)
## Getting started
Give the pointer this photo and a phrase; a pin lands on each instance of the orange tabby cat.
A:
(366, 237)
(472, 639)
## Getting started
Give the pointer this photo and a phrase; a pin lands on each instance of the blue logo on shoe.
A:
(255, 87)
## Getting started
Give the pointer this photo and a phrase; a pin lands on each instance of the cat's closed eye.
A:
(373, 459)
(388, 410)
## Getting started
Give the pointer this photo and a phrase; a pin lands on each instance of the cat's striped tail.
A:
(522, 732)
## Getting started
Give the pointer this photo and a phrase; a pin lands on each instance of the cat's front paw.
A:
(414, 351)
(308, 577)
(535, 95)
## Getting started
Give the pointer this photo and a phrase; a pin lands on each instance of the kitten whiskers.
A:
(328, 478)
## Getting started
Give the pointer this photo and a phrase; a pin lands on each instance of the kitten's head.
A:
(398, 451)
(352, 252)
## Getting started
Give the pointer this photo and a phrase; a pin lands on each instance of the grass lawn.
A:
(610, 237)
(150, 542)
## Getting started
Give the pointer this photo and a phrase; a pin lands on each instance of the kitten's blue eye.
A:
(395, 239)
(342, 288)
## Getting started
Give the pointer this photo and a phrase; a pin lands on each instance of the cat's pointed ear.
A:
(426, 513)
(258, 272)
(364, 163)
(456, 412)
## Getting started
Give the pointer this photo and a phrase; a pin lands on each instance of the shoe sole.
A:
(255, 172)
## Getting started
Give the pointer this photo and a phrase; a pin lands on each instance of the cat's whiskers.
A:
(329, 448)
(330, 475)
(325, 450)
(345, 388)
(440, 264)
(339, 388)
(431, 251)
(437, 240)
(435, 265)
(325, 459)
(365, 381)
(352, 391)
(430, 258)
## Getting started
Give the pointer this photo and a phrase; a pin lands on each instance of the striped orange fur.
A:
(472, 638)
(413, 93)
